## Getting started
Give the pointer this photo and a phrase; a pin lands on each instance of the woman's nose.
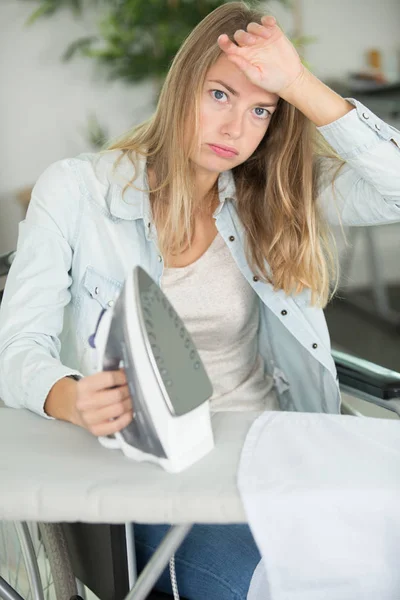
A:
(233, 125)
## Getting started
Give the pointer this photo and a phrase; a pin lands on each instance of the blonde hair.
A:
(288, 244)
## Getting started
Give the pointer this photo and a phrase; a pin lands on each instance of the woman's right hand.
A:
(103, 403)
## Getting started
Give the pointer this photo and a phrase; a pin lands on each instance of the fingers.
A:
(268, 21)
(236, 54)
(102, 398)
(103, 380)
(249, 37)
(109, 413)
(103, 402)
(265, 31)
(243, 38)
(108, 420)
(110, 427)
(227, 45)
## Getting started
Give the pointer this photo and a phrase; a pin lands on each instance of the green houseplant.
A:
(136, 39)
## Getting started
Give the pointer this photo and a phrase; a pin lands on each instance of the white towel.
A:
(322, 497)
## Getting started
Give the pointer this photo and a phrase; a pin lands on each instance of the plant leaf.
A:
(47, 8)
(79, 45)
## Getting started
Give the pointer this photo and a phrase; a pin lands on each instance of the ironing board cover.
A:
(54, 471)
(322, 497)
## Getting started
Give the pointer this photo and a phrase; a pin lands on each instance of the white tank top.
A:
(221, 311)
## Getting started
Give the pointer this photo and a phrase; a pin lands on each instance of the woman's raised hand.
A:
(265, 55)
(103, 403)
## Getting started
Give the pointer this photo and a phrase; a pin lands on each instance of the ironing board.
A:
(54, 471)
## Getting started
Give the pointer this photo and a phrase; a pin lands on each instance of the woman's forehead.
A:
(223, 71)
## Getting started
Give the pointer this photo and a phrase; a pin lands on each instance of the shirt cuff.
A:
(41, 385)
(357, 131)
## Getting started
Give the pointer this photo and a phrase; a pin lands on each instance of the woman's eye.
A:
(262, 113)
(217, 94)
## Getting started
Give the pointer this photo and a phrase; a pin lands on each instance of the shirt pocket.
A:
(96, 292)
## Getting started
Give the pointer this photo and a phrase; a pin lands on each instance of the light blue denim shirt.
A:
(80, 239)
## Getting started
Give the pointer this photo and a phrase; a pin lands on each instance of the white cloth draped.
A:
(322, 496)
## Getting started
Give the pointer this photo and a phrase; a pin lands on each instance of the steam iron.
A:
(168, 384)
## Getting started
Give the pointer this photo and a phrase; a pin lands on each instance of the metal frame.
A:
(8, 592)
(160, 559)
(32, 569)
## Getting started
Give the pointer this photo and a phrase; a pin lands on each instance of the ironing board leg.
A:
(158, 562)
(130, 554)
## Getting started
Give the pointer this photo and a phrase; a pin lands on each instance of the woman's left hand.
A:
(265, 55)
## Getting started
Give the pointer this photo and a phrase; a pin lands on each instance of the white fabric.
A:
(221, 311)
(258, 589)
(322, 496)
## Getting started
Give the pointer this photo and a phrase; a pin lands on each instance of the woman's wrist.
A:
(61, 401)
(315, 100)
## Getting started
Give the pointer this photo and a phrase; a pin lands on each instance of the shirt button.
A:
(255, 278)
(284, 312)
(377, 126)
(96, 290)
(110, 303)
(315, 346)
(366, 116)
(231, 238)
(159, 258)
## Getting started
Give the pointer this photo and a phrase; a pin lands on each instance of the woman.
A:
(224, 196)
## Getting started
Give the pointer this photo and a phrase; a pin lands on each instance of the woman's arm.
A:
(367, 190)
(37, 290)
(315, 100)
(100, 402)
(61, 401)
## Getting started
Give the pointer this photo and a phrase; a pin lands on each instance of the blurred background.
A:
(77, 72)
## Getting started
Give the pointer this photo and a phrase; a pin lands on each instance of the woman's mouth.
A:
(223, 151)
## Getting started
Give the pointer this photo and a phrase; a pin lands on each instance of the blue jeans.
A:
(214, 562)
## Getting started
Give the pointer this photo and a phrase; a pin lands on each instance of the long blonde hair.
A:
(288, 244)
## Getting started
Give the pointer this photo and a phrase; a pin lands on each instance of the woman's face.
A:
(235, 114)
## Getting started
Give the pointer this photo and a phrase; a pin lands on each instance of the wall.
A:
(44, 104)
(344, 29)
